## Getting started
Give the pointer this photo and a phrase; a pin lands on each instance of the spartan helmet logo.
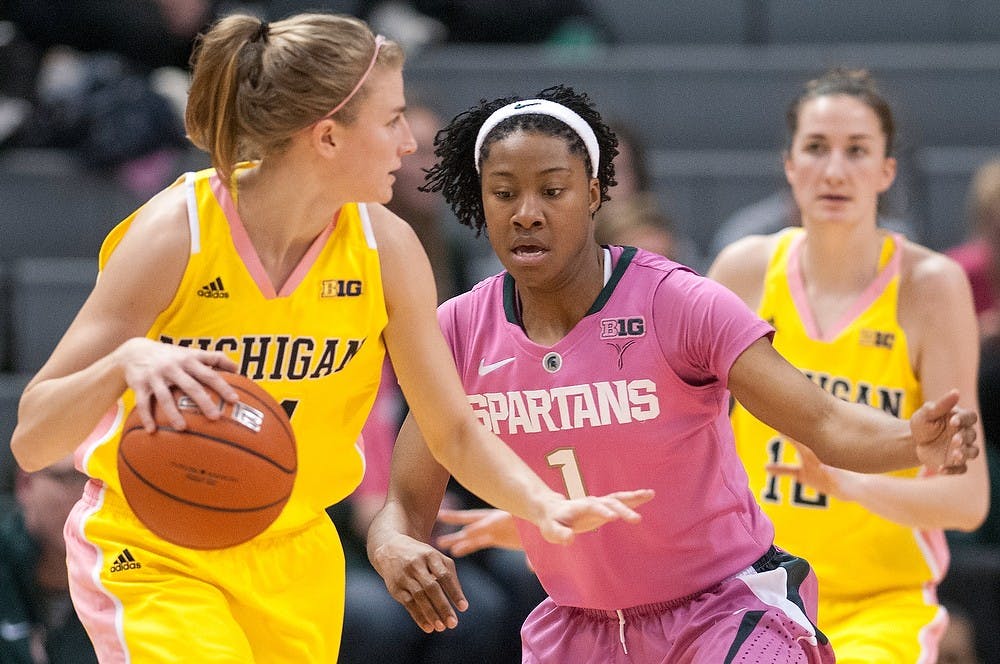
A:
(552, 362)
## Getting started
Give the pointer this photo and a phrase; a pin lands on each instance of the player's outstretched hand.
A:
(423, 580)
(812, 472)
(152, 368)
(565, 518)
(481, 529)
(945, 434)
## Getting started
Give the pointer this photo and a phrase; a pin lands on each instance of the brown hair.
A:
(255, 84)
(857, 83)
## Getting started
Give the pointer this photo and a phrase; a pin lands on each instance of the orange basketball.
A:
(217, 483)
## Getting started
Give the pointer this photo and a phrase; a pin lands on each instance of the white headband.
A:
(542, 107)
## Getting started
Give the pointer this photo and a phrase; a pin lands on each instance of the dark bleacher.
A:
(700, 186)
(726, 96)
(884, 21)
(945, 173)
(712, 116)
(51, 206)
(798, 21)
(45, 295)
(674, 22)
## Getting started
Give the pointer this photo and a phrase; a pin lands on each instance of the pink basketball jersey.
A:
(635, 396)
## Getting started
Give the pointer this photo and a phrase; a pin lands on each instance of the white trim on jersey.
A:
(366, 224)
(192, 206)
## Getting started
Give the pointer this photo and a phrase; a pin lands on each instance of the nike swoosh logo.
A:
(519, 105)
(488, 368)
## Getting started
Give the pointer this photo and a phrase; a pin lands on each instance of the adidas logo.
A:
(125, 561)
(213, 289)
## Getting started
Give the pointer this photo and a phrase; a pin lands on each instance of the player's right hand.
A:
(565, 518)
(151, 369)
(423, 580)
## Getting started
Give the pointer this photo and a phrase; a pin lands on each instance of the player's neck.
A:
(840, 259)
(549, 313)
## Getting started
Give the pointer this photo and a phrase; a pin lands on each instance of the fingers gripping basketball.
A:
(217, 483)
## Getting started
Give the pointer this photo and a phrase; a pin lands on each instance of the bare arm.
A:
(741, 266)
(936, 311)
(427, 376)
(841, 434)
(922, 502)
(102, 353)
(416, 574)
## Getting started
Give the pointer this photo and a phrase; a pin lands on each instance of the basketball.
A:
(217, 483)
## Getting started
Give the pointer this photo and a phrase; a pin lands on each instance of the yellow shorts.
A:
(898, 627)
(273, 599)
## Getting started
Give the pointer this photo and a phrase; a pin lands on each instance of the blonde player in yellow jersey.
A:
(875, 319)
(265, 265)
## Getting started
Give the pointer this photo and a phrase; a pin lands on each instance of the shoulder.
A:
(742, 265)
(393, 234)
(933, 288)
(486, 293)
(930, 273)
(157, 230)
(407, 278)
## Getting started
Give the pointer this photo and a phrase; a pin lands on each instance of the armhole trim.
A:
(366, 225)
(192, 209)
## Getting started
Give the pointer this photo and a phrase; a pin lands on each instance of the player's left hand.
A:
(481, 529)
(565, 518)
(423, 580)
(812, 472)
(945, 434)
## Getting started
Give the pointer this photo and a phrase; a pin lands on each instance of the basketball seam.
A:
(188, 432)
(184, 501)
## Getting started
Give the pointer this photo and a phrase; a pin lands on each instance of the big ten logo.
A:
(341, 288)
(612, 328)
(877, 338)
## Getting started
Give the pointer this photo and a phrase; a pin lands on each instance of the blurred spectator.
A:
(958, 645)
(150, 33)
(980, 255)
(426, 212)
(973, 582)
(634, 216)
(38, 624)
(417, 23)
(103, 80)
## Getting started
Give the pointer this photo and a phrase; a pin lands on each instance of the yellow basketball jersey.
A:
(864, 358)
(316, 345)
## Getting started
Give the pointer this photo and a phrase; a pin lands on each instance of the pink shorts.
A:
(763, 615)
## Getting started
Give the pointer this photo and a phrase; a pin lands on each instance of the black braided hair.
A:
(455, 174)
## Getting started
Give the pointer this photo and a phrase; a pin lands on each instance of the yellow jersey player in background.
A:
(874, 319)
(264, 264)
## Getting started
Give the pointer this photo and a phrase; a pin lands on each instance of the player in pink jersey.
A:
(609, 365)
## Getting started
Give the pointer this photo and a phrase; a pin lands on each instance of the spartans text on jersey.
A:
(567, 407)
